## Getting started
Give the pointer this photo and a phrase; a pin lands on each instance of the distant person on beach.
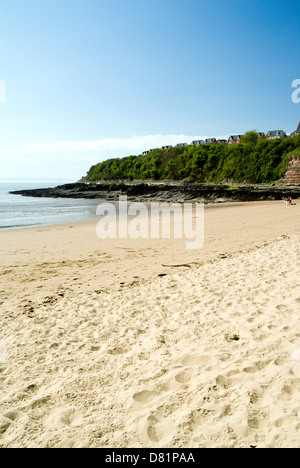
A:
(289, 201)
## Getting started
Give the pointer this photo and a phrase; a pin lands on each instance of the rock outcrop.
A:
(167, 192)
(292, 175)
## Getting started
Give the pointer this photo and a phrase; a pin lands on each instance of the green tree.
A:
(254, 159)
(250, 137)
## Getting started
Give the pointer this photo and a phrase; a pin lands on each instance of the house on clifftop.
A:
(274, 134)
(234, 139)
(209, 141)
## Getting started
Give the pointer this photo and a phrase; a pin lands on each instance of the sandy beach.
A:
(142, 343)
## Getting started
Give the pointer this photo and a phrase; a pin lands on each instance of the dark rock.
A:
(167, 192)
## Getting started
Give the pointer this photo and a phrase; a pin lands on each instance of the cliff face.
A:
(292, 175)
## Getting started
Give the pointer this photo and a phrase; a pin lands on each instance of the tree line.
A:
(254, 160)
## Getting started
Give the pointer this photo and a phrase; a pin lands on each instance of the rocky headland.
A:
(167, 192)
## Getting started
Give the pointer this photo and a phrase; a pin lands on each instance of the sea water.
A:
(17, 211)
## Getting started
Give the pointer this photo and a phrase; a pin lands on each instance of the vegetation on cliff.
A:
(255, 160)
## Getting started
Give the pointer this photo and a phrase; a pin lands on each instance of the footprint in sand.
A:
(118, 350)
(184, 377)
(198, 360)
(156, 430)
(286, 393)
(145, 397)
(38, 402)
(258, 422)
(175, 380)
(64, 417)
(12, 426)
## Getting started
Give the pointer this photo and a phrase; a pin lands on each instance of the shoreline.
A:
(147, 203)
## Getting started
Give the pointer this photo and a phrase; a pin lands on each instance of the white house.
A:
(209, 140)
(274, 134)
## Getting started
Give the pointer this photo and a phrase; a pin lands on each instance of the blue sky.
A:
(90, 79)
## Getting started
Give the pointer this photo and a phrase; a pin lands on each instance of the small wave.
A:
(14, 226)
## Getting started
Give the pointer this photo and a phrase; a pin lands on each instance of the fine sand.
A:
(98, 350)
